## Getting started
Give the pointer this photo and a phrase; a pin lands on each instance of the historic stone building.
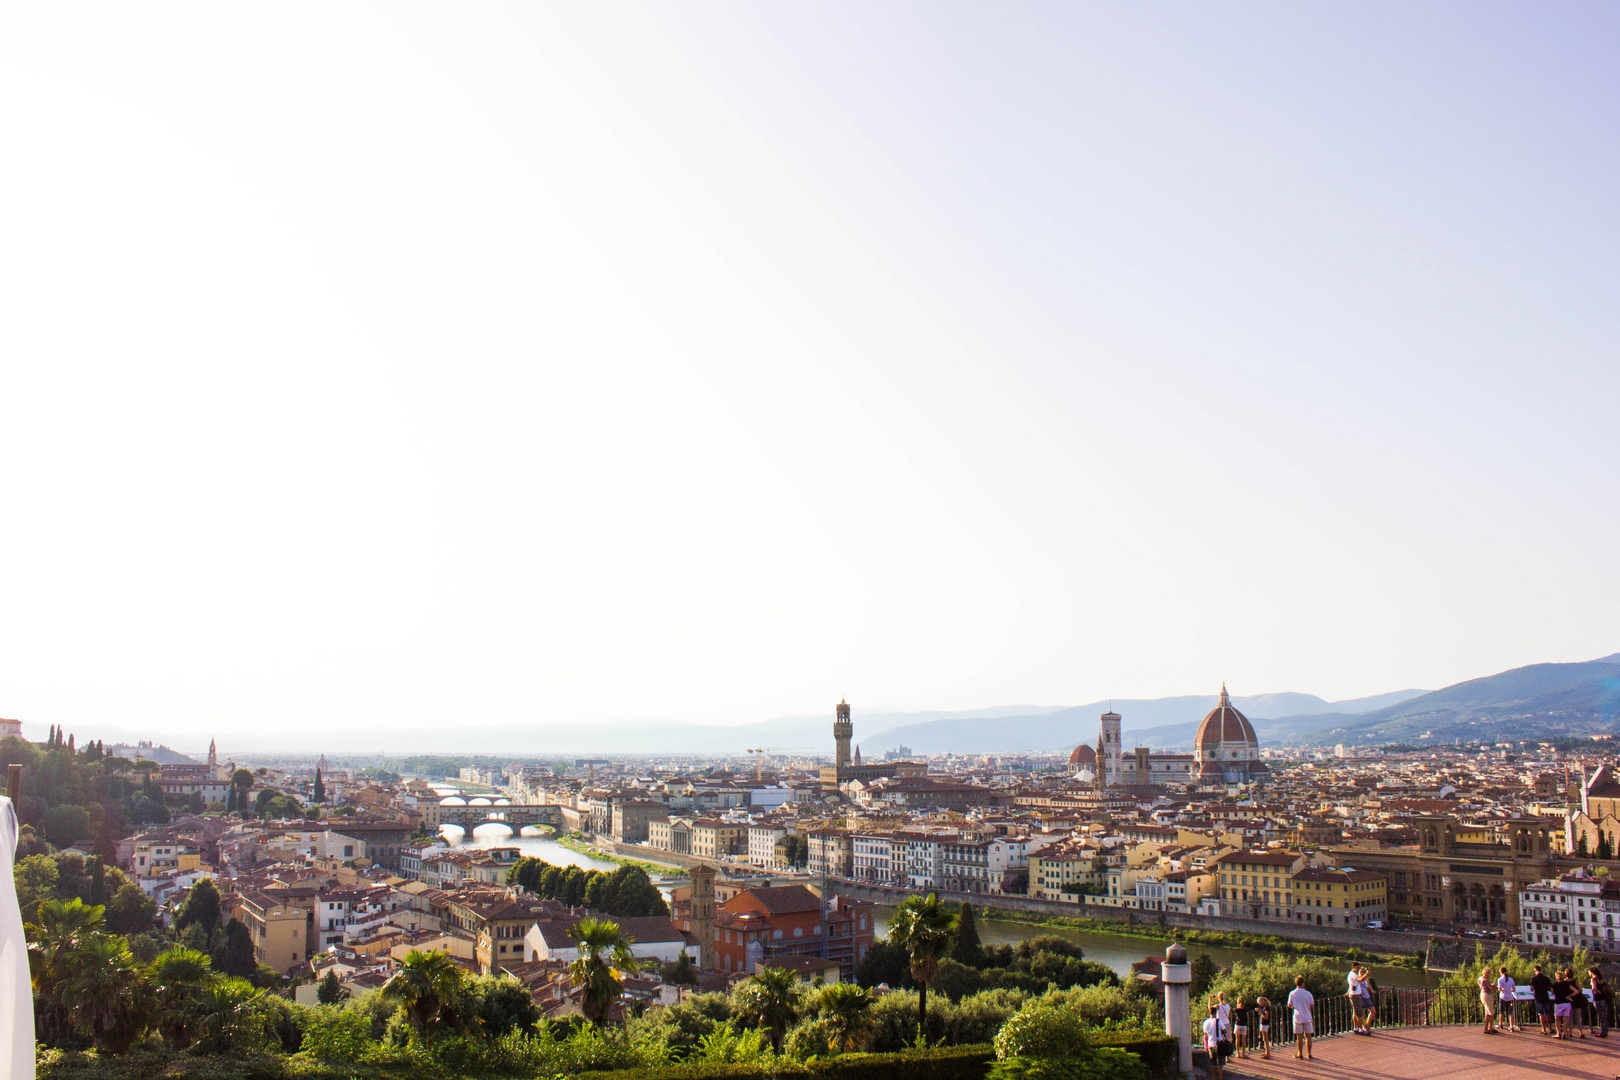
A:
(849, 766)
(1447, 880)
(1226, 750)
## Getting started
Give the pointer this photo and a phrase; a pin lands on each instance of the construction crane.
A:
(759, 762)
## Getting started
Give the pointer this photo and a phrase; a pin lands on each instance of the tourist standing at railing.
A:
(1262, 1013)
(1602, 1001)
(1488, 998)
(1240, 1027)
(1563, 993)
(1373, 998)
(1541, 990)
(1215, 1044)
(1303, 1002)
(1359, 1000)
(1508, 991)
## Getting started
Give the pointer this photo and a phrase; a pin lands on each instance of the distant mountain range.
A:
(1537, 701)
(1163, 723)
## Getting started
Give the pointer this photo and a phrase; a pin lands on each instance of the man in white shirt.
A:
(1357, 987)
(1508, 990)
(1212, 1044)
(1302, 1001)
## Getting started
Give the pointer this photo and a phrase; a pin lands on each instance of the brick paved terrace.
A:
(1439, 1053)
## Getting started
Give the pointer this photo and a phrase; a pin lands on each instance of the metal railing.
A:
(1406, 1007)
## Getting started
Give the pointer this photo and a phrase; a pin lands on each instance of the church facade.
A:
(1226, 752)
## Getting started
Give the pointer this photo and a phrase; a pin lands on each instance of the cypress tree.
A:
(320, 788)
(966, 949)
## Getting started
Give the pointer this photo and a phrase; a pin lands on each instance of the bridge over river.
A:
(476, 812)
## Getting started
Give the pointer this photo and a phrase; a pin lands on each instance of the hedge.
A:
(944, 1063)
(1160, 1053)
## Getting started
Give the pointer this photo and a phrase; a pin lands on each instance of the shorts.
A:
(1303, 1027)
(1544, 1008)
(1489, 1003)
(1242, 1032)
(1562, 1010)
(1265, 1029)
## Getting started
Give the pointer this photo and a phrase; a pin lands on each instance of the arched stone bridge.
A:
(512, 815)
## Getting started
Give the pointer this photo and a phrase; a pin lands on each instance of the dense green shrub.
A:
(1102, 1064)
(974, 1019)
(1043, 1028)
(1160, 1053)
(336, 1034)
(949, 1063)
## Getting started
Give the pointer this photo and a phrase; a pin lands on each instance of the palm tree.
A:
(229, 1016)
(174, 976)
(426, 984)
(604, 959)
(60, 929)
(105, 994)
(770, 999)
(923, 928)
(847, 1011)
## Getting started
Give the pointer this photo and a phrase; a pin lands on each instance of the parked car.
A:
(1376, 924)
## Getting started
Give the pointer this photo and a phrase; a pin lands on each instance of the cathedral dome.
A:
(1223, 724)
(1083, 755)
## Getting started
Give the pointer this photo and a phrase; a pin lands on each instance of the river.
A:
(1119, 951)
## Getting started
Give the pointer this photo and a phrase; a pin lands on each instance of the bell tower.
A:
(1113, 746)
(843, 731)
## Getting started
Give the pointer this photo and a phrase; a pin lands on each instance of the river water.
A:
(1119, 951)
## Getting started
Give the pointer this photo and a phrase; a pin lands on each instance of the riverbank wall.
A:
(1148, 923)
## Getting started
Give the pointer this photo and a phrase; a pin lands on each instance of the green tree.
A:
(846, 1009)
(66, 825)
(103, 993)
(604, 959)
(1605, 847)
(330, 991)
(770, 1000)
(1204, 971)
(130, 911)
(35, 878)
(922, 927)
(319, 794)
(237, 951)
(201, 908)
(965, 948)
(230, 1016)
(60, 930)
(174, 976)
(427, 985)
(1580, 846)
(684, 973)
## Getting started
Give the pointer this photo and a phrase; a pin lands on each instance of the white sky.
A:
(396, 365)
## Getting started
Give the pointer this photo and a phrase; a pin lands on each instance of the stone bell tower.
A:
(843, 731)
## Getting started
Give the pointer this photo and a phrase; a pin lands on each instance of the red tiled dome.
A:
(1223, 723)
(1083, 755)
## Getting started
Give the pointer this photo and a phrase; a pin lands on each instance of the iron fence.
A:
(1407, 1007)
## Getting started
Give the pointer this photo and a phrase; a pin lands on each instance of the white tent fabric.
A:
(16, 992)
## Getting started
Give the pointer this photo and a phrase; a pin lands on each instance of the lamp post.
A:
(1176, 974)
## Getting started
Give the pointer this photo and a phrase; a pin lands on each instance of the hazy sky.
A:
(399, 365)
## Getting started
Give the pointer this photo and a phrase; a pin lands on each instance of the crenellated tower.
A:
(843, 731)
